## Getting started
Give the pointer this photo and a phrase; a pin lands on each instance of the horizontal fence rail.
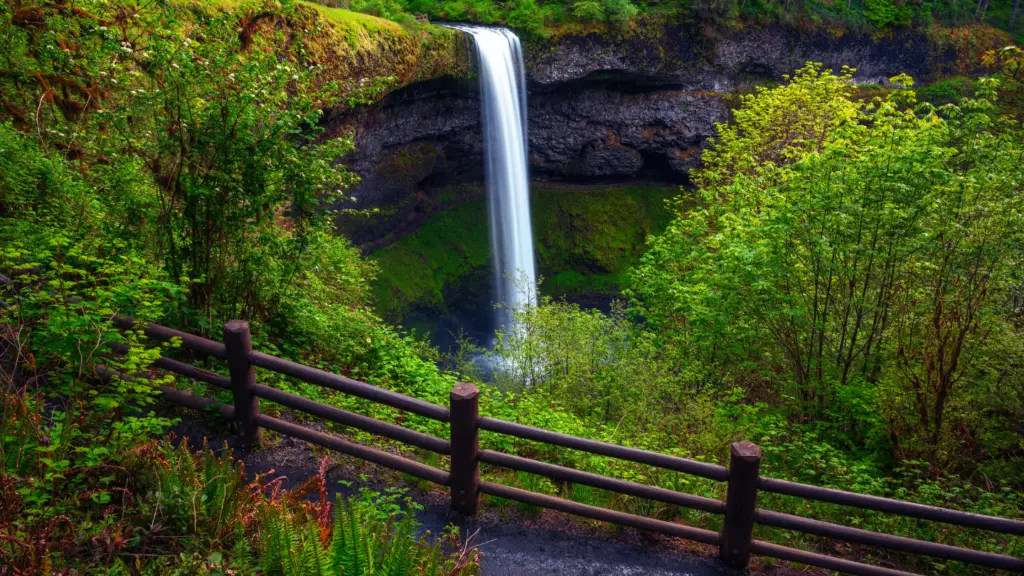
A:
(364, 423)
(313, 437)
(837, 532)
(822, 561)
(190, 341)
(603, 514)
(178, 367)
(898, 507)
(603, 482)
(349, 386)
(735, 541)
(358, 450)
(703, 469)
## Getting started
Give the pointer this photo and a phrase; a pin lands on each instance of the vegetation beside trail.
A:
(163, 161)
(846, 294)
(157, 161)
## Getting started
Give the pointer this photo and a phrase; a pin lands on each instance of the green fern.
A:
(370, 538)
(348, 539)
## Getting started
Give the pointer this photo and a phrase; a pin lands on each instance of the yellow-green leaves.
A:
(777, 126)
(851, 246)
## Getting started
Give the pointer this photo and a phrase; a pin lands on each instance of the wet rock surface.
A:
(593, 132)
(426, 135)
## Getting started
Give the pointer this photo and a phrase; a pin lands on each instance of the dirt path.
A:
(512, 542)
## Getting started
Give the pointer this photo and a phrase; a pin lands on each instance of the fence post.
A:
(238, 342)
(465, 471)
(740, 501)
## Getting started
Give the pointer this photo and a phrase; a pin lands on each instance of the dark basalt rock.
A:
(428, 136)
(601, 107)
(426, 133)
(586, 132)
(684, 57)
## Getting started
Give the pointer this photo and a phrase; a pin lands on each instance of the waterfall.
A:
(503, 99)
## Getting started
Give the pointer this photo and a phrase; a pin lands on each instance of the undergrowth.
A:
(172, 510)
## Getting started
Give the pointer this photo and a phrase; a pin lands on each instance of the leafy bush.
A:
(621, 12)
(761, 290)
(885, 13)
(526, 16)
(948, 91)
(588, 10)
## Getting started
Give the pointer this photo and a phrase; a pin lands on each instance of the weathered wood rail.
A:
(743, 479)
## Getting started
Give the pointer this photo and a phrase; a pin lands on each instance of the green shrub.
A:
(526, 16)
(588, 10)
(621, 12)
(885, 13)
(947, 91)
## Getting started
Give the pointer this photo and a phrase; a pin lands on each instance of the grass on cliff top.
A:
(585, 241)
(348, 18)
(337, 15)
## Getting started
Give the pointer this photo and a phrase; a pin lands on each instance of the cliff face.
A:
(606, 106)
(684, 57)
(430, 133)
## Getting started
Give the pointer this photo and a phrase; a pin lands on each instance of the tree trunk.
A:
(1013, 15)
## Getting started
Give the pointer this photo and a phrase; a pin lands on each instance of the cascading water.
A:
(503, 98)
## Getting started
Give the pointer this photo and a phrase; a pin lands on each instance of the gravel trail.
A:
(512, 542)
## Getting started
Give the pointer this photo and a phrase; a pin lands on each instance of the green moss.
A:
(585, 240)
(418, 269)
(357, 46)
(349, 17)
(596, 232)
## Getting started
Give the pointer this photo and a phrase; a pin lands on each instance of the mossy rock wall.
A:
(355, 46)
(353, 49)
(585, 241)
(417, 271)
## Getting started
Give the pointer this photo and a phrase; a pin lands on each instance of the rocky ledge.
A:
(725, 61)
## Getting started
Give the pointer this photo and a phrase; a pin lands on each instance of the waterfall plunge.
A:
(503, 98)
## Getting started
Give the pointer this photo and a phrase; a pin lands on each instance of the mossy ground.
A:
(585, 242)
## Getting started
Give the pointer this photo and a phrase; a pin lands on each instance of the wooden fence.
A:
(740, 510)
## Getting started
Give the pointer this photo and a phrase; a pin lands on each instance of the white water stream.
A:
(503, 99)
